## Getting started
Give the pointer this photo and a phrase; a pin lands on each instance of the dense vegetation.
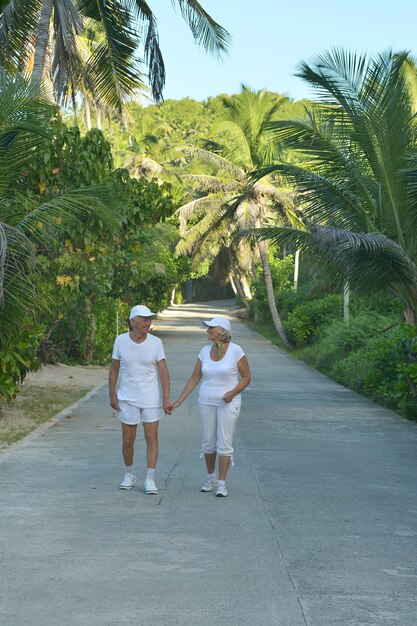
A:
(306, 209)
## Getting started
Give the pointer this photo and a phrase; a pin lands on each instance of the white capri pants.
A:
(217, 428)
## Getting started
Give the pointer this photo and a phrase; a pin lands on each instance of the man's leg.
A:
(129, 436)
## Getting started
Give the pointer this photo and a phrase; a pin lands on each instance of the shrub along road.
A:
(319, 528)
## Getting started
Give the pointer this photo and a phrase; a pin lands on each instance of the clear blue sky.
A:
(270, 37)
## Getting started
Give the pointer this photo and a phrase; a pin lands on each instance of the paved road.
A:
(320, 527)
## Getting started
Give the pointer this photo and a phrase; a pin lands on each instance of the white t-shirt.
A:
(219, 376)
(138, 375)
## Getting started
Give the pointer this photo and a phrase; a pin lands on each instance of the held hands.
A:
(171, 407)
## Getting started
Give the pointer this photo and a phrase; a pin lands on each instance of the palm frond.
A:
(212, 37)
(217, 160)
(212, 184)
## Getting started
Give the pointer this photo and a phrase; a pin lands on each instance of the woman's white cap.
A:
(139, 309)
(219, 321)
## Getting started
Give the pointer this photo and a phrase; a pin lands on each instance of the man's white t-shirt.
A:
(219, 376)
(138, 375)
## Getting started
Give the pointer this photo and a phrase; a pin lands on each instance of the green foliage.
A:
(17, 357)
(305, 323)
(282, 271)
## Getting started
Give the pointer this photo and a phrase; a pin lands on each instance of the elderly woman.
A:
(224, 372)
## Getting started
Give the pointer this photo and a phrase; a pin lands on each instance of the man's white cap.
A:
(139, 309)
(219, 321)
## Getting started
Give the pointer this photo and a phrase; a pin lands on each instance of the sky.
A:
(271, 37)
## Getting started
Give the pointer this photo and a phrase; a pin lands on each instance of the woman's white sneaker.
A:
(128, 481)
(221, 491)
(208, 484)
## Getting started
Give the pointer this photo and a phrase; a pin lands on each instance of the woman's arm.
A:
(190, 385)
(244, 371)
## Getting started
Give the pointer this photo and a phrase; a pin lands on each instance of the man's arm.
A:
(165, 384)
(113, 376)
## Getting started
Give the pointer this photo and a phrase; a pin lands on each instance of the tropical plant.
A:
(357, 174)
(228, 200)
(42, 35)
(25, 221)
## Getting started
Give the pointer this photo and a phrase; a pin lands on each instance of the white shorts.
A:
(133, 415)
(217, 428)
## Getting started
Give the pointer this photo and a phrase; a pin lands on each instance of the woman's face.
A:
(215, 333)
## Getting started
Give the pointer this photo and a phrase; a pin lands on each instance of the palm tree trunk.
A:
(87, 110)
(410, 315)
(238, 280)
(263, 253)
(346, 310)
(296, 268)
(41, 47)
(98, 118)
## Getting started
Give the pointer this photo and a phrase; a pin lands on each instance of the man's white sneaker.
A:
(208, 484)
(221, 491)
(128, 481)
(150, 487)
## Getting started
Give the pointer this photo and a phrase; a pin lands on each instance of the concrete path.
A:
(319, 529)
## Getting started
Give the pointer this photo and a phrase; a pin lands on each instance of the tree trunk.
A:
(87, 110)
(263, 253)
(296, 268)
(410, 316)
(346, 310)
(232, 283)
(98, 118)
(42, 37)
(240, 282)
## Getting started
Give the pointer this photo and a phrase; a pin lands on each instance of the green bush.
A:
(18, 357)
(338, 339)
(282, 271)
(305, 322)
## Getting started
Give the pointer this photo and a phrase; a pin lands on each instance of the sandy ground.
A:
(45, 393)
(71, 376)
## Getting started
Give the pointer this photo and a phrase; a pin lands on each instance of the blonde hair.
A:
(226, 336)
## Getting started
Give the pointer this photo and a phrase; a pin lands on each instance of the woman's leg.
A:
(226, 422)
(224, 464)
(208, 435)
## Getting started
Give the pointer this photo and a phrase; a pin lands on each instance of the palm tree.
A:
(357, 173)
(24, 128)
(29, 28)
(229, 198)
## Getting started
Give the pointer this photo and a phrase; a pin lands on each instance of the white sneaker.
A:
(208, 484)
(221, 491)
(128, 481)
(150, 487)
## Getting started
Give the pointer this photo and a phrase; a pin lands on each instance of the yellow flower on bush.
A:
(63, 280)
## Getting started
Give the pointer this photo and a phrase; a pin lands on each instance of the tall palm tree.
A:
(24, 128)
(229, 196)
(357, 173)
(28, 27)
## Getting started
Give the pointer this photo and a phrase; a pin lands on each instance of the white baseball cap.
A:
(141, 310)
(219, 321)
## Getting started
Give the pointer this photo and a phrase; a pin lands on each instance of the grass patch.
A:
(32, 407)
(268, 331)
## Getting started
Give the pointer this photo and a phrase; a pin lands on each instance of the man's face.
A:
(141, 325)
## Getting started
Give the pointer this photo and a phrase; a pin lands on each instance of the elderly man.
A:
(138, 361)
